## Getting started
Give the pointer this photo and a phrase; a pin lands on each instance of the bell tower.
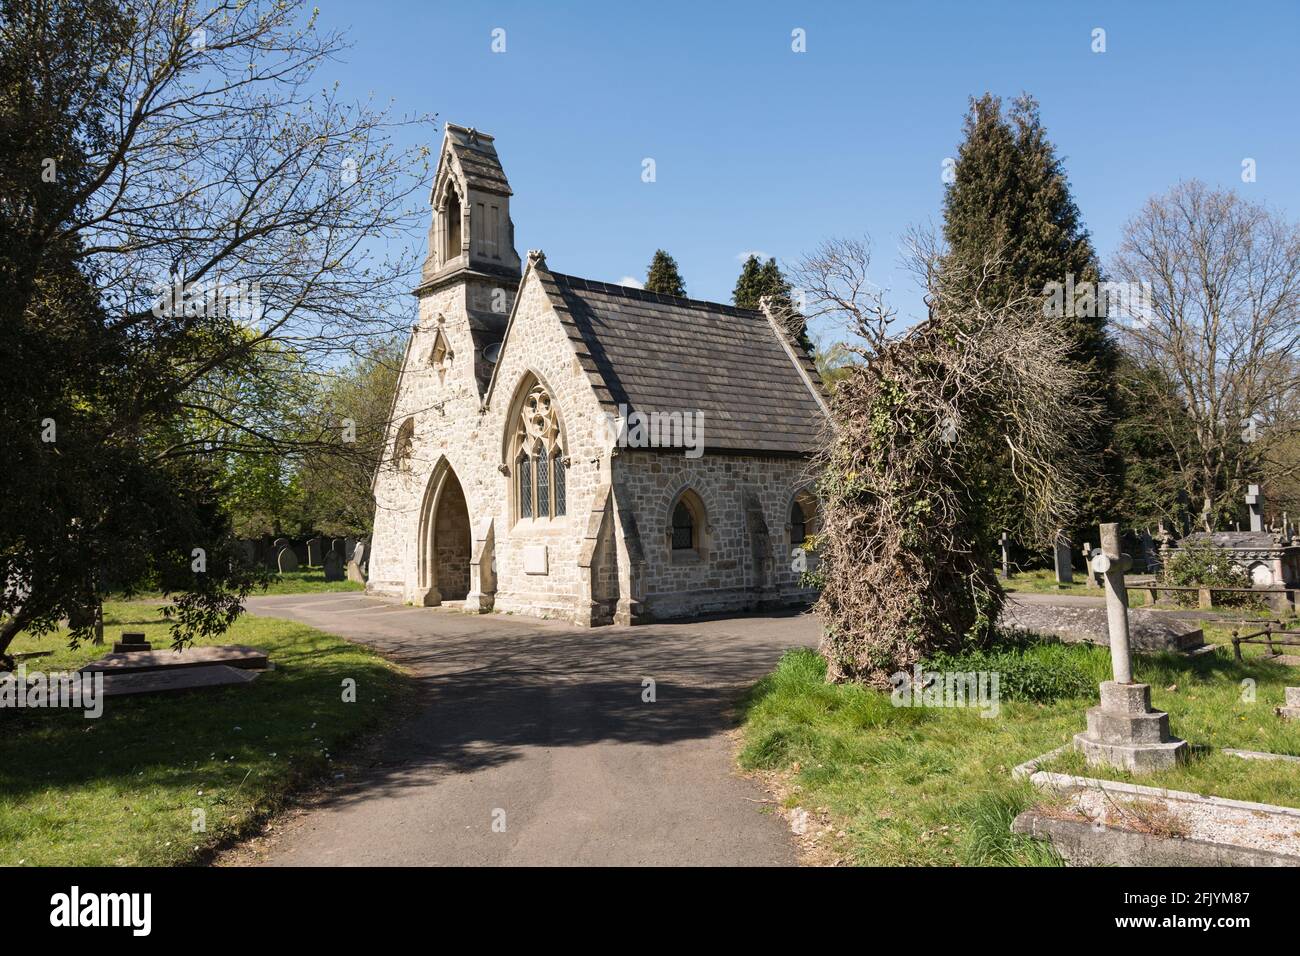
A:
(471, 272)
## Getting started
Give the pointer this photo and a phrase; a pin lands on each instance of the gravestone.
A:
(1124, 731)
(349, 545)
(1004, 541)
(336, 544)
(1064, 566)
(247, 551)
(279, 544)
(1088, 576)
(131, 642)
(1292, 709)
(1255, 502)
(334, 570)
(356, 566)
(314, 553)
(286, 560)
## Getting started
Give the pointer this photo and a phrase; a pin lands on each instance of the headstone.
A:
(1255, 502)
(132, 642)
(279, 544)
(1064, 566)
(349, 545)
(1087, 565)
(247, 551)
(334, 570)
(357, 566)
(1124, 731)
(1292, 709)
(314, 553)
(286, 560)
(1006, 566)
(336, 544)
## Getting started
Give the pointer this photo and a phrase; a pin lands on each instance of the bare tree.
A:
(1220, 277)
(184, 208)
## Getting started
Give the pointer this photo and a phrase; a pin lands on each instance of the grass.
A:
(305, 581)
(1044, 582)
(932, 786)
(121, 790)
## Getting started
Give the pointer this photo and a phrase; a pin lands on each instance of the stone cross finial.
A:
(1111, 563)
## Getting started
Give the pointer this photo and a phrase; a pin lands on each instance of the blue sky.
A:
(760, 148)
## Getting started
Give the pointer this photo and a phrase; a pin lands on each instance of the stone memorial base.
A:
(1125, 732)
(1292, 709)
(131, 642)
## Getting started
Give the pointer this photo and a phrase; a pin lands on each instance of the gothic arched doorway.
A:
(445, 541)
(451, 541)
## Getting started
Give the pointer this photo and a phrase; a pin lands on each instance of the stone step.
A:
(1116, 728)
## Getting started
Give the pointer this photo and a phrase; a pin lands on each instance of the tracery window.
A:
(404, 444)
(539, 457)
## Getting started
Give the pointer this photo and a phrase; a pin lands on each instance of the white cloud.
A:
(762, 256)
(631, 283)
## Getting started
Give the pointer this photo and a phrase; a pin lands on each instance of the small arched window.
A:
(687, 528)
(539, 458)
(404, 445)
(683, 528)
(803, 518)
(453, 226)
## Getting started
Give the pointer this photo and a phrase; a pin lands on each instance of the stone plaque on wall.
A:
(535, 559)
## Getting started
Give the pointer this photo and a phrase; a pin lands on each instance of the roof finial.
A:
(537, 258)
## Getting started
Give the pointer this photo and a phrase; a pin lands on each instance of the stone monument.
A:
(1124, 731)
(286, 560)
(1064, 566)
(314, 553)
(1006, 567)
(334, 570)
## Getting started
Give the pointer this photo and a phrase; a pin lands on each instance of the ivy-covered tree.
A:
(663, 277)
(1010, 199)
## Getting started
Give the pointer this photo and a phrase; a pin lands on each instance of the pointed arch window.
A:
(404, 445)
(687, 532)
(539, 459)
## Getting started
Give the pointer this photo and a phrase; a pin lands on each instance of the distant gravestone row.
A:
(339, 558)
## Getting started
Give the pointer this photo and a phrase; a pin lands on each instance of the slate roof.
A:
(663, 353)
(477, 156)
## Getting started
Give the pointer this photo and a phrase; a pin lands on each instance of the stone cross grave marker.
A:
(1064, 566)
(1004, 540)
(1255, 502)
(1088, 574)
(1124, 731)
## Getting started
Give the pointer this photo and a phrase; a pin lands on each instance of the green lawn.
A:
(1044, 582)
(122, 789)
(932, 786)
(306, 581)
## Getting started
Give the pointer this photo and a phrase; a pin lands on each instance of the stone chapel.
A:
(518, 475)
